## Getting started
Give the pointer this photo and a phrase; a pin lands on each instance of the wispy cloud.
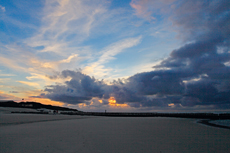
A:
(3, 9)
(65, 22)
(5, 96)
(22, 60)
(12, 64)
(13, 92)
(108, 54)
(2, 80)
(148, 9)
(114, 49)
(142, 10)
(7, 75)
(33, 84)
(53, 65)
(64, 26)
(4, 75)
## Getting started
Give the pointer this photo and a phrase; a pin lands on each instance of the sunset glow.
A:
(45, 101)
(112, 102)
(116, 55)
(171, 104)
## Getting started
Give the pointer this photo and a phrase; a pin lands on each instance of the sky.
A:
(117, 55)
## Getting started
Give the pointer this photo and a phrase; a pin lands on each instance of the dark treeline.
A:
(33, 105)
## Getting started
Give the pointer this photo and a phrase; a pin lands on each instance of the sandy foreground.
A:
(25, 133)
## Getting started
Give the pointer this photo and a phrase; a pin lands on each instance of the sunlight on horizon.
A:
(112, 102)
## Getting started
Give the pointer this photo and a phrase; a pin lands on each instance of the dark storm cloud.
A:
(79, 89)
(205, 59)
(42, 95)
(201, 20)
(165, 82)
(197, 73)
(13, 92)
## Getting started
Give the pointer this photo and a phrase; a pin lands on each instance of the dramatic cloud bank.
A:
(197, 73)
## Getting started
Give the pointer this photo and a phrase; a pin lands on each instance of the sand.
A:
(25, 133)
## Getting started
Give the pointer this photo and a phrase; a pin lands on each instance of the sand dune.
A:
(24, 133)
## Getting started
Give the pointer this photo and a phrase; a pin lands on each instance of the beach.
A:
(25, 133)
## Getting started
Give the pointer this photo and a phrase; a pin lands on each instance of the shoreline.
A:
(207, 122)
(71, 117)
(202, 118)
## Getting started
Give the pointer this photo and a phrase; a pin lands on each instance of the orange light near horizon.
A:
(100, 101)
(45, 101)
(112, 102)
(82, 105)
(172, 104)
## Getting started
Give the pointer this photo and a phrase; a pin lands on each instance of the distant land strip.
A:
(33, 105)
(206, 117)
(69, 111)
(148, 114)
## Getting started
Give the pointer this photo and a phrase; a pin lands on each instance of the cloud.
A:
(14, 56)
(141, 8)
(69, 59)
(11, 63)
(4, 96)
(195, 74)
(64, 23)
(108, 54)
(3, 9)
(33, 84)
(7, 75)
(4, 79)
(80, 88)
(57, 36)
(199, 19)
(14, 92)
(200, 58)
(54, 65)
(23, 60)
(147, 9)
